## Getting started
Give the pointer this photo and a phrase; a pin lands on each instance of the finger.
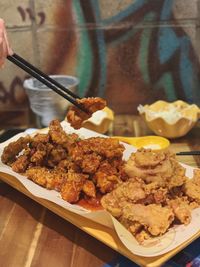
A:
(3, 34)
(2, 58)
(8, 48)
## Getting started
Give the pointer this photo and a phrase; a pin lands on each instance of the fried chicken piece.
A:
(141, 220)
(149, 165)
(158, 179)
(106, 177)
(192, 190)
(41, 176)
(89, 189)
(119, 164)
(178, 177)
(181, 209)
(90, 163)
(134, 191)
(175, 192)
(50, 179)
(110, 203)
(56, 155)
(76, 117)
(159, 167)
(39, 138)
(160, 195)
(59, 136)
(21, 164)
(68, 165)
(92, 104)
(196, 176)
(59, 177)
(39, 154)
(70, 191)
(155, 218)
(88, 155)
(130, 191)
(72, 187)
(106, 183)
(147, 157)
(133, 227)
(192, 187)
(13, 149)
(105, 147)
(142, 235)
(154, 194)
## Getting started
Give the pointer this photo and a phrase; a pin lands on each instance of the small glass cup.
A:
(44, 102)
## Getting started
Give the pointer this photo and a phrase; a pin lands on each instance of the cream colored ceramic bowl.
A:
(100, 121)
(170, 120)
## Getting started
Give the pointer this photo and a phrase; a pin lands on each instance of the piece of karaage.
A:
(76, 116)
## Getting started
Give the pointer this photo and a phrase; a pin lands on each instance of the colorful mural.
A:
(153, 58)
(130, 52)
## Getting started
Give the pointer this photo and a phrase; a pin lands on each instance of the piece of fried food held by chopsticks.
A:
(76, 116)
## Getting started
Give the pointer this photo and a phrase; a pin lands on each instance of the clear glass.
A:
(44, 102)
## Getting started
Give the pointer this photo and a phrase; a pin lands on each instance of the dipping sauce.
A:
(91, 204)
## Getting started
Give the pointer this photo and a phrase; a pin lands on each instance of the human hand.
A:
(5, 49)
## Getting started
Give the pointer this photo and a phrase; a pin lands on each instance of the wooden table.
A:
(32, 235)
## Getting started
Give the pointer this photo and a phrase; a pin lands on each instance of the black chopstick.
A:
(45, 79)
(188, 153)
(45, 75)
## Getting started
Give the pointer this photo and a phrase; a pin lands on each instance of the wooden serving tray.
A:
(104, 234)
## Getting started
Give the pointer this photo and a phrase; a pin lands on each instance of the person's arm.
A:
(5, 48)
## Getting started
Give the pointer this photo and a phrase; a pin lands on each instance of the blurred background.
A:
(129, 52)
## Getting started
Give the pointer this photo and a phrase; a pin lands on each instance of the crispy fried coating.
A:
(76, 116)
(155, 218)
(130, 191)
(142, 235)
(70, 191)
(92, 155)
(38, 156)
(159, 165)
(90, 163)
(181, 209)
(133, 191)
(143, 221)
(64, 162)
(153, 158)
(106, 177)
(59, 136)
(21, 164)
(92, 104)
(72, 187)
(39, 138)
(157, 187)
(56, 155)
(162, 168)
(196, 177)
(12, 150)
(89, 189)
(192, 189)
(41, 176)
(112, 204)
(105, 147)
(68, 165)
